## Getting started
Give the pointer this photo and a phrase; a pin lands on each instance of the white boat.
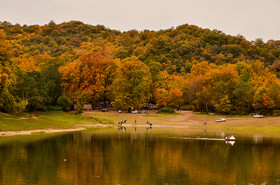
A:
(230, 138)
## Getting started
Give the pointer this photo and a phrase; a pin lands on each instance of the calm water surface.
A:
(112, 156)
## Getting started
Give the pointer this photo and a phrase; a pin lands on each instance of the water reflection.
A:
(138, 157)
(230, 142)
(148, 129)
(257, 139)
(121, 128)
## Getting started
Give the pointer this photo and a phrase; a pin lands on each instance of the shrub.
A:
(63, 102)
(166, 110)
(276, 113)
(54, 108)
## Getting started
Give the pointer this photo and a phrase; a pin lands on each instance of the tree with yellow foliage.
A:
(9, 101)
(131, 87)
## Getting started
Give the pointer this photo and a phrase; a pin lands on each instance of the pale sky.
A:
(250, 18)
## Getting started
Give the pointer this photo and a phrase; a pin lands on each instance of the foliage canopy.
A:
(190, 67)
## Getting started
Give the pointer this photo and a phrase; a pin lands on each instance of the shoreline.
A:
(37, 131)
(188, 120)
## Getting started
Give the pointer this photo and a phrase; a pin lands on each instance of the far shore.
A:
(58, 122)
(195, 121)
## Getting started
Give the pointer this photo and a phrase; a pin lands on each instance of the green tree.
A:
(52, 80)
(131, 86)
(32, 87)
(64, 102)
(81, 100)
(243, 97)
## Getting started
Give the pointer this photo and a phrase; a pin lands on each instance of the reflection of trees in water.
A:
(137, 158)
(133, 159)
(31, 159)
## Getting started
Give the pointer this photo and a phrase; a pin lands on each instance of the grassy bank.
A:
(49, 120)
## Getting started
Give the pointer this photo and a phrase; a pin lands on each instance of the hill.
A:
(186, 66)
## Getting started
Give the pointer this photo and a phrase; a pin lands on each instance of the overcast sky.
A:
(250, 18)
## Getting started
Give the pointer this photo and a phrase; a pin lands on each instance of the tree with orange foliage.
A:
(161, 96)
(87, 75)
(9, 101)
(175, 97)
(168, 90)
(262, 102)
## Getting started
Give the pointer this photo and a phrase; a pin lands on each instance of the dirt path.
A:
(186, 117)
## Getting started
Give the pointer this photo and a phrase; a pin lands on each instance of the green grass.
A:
(165, 113)
(67, 119)
(3, 115)
(54, 120)
(102, 120)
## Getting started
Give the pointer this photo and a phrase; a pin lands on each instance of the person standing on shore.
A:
(205, 123)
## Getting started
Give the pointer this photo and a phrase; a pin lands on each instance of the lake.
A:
(142, 156)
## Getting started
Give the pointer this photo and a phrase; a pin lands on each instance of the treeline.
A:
(53, 66)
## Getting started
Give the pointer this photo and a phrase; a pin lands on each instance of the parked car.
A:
(221, 120)
(134, 111)
(104, 110)
(257, 116)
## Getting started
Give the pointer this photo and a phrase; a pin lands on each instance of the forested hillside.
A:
(44, 67)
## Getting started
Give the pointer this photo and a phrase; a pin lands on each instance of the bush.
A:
(166, 110)
(54, 108)
(63, 102)
(276, 113)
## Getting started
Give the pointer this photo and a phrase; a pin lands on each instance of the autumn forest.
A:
(54, 66)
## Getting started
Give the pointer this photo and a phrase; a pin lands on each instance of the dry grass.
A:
(192, 121)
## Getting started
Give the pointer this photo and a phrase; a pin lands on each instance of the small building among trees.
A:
(87, 106)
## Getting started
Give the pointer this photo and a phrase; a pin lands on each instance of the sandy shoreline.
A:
(39, 131)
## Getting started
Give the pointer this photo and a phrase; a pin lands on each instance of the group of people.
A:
(122, 121)
(121, 128)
